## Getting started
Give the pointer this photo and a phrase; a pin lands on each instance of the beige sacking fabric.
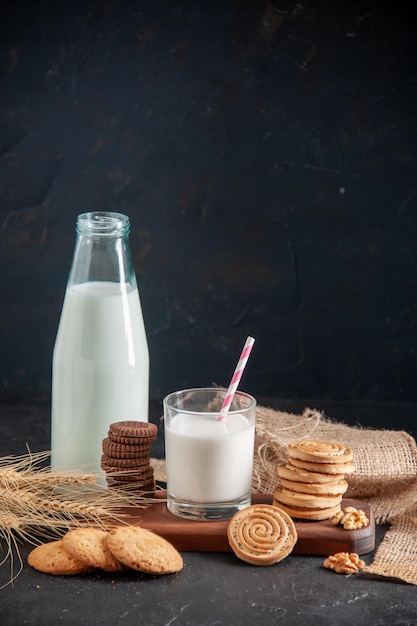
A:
(385, 477)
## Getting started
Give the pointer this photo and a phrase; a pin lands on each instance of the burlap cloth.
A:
(385, 477)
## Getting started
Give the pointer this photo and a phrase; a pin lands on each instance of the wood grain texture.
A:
(319, 538)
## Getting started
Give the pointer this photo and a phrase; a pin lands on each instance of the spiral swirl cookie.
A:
(320, 451)
(261, 534)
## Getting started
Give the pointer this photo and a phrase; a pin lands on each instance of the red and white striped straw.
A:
(230, 394)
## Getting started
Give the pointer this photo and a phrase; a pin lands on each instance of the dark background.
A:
(265, 153)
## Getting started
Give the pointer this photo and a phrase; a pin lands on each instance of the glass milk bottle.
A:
(100, 367)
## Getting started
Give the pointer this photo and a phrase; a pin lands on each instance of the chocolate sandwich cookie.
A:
(129, 474)
(135, 462)
(131, 432)
(145, 486)
(118, 450)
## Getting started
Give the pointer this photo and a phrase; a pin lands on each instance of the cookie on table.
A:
(129, 474)
(261, 534)
(299, 475)
(126, 456)
(316, 515)
(320, 451)
(145, 488)
(89, 545)
(143, 550)
(325, 468)
(312, 482)
(133, 432)
(135, 462)
(53, 558)
(117, 450)
(306, 500)
(334, 488)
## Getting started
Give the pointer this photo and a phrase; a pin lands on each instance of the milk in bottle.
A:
(100, 368)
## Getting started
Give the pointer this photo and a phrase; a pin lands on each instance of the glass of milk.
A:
(208, 462)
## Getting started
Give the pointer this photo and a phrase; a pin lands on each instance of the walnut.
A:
(344, 563)
(337, 518)
(351, 518)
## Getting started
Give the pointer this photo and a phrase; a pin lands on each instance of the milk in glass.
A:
(209, 461)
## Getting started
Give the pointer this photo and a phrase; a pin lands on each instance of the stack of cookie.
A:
(126, 455)
(312, 482)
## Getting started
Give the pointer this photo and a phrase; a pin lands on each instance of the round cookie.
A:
(144, 487)
(308, 514)
(320, 451)
(53, 558)
(143, 550)
(297, 474)
(305, 500)
(335, 488)
(89, 546)
(135, 462)
(129, 474)
(325, 468)
(130, 431)
(118, 450)
(261, 534)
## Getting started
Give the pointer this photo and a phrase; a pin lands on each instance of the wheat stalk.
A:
(38, 503)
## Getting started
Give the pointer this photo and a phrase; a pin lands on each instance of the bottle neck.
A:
(103, 224)
(102, 251)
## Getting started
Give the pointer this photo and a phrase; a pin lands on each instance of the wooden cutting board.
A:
(320, 538)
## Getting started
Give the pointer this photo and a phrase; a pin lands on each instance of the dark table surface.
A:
(213, 588)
